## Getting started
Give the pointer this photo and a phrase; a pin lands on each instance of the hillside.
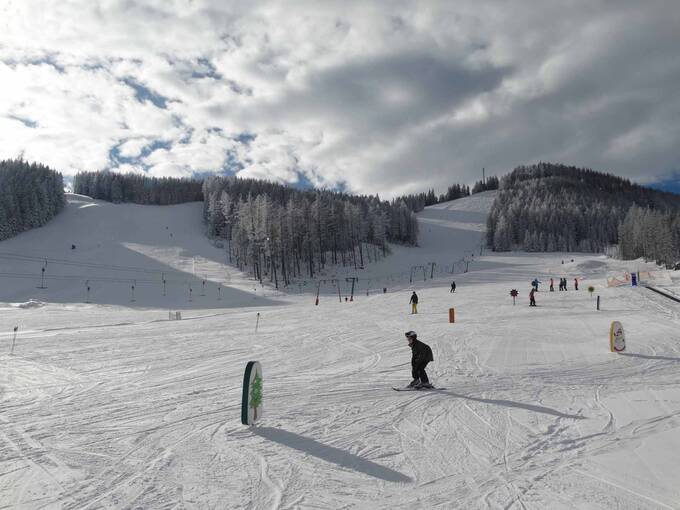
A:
(551, 207)
(118, 246)
(448, 233)
(118, 407)
(121, 245)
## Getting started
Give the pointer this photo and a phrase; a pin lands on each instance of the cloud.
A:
(368, 97)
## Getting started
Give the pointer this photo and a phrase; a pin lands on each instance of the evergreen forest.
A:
(280, 232)
(136, 188)
(30, 196)
(552, 207)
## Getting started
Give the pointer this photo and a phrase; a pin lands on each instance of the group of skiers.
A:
(563, 284)
(536, 281)
(414, 299)
(421, 353)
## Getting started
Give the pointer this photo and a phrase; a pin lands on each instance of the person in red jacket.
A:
(575, 283)
(532, 298)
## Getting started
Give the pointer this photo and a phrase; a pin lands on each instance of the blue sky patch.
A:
(245, 138)
(48, 60)
(232, 164)
(143, 94)
(24, 120)
(116, 158)
(207, 70)
(672, 184)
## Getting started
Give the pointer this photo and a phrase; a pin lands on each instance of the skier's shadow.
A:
(520, 405)
(330, 454)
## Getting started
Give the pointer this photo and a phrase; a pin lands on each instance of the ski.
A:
(416, 389)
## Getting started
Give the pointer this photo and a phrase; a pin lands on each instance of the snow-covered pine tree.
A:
(555, 207)
(30, 196)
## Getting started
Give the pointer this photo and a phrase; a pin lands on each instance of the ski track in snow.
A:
(107, 406)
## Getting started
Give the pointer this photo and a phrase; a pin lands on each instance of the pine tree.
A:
(30, 196)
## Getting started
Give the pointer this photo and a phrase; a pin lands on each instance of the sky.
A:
(369, 97)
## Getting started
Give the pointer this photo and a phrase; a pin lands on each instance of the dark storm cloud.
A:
(383, 94)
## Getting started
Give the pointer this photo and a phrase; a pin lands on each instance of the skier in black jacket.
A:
(414, 302)
(421, 355)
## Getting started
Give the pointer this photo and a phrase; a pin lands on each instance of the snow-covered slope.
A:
(118, 246)
(117, 407)
(450, 233)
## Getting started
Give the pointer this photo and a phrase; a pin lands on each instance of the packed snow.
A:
(109, 404)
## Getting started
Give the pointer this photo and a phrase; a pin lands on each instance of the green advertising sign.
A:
(251, 402)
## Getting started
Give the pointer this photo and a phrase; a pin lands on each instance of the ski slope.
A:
(118, 246)
(109, 404)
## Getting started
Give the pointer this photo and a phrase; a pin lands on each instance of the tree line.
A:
(30, 196)
(283, 233)
(138, 189)
(654, 235)
(553, 207)
(488, 184)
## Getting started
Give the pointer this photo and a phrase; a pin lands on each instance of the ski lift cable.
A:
(94, 265)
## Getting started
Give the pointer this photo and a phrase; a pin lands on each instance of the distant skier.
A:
(575, 283)
(535, 283)
(421, 355)
(532, 297)
(552, 285)
(453, 287)
(414, 303)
